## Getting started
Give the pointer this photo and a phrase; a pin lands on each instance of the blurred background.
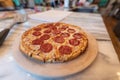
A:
(105, 7)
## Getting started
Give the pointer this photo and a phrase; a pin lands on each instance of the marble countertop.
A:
(105, 67)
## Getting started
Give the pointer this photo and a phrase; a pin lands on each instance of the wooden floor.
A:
(110, 22)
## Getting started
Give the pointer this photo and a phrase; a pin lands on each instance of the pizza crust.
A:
(54, 55)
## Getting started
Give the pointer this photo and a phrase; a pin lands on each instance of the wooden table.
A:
(105, 67)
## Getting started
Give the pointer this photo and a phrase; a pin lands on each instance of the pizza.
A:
(54, 42)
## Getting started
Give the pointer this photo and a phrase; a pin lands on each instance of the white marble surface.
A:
(105, 67)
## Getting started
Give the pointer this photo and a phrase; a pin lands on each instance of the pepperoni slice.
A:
(47, 31)
(74, 42)
(56, 32)
(63, 28)
(36, 33)
(37, 42)
(71, 30)
(59, 39)
(65, 49)
(48, 25)
(65, 34)
(77, 35)
(46, 47)
(45, 37)
(37, 29)
(57, 24)
(53, 28)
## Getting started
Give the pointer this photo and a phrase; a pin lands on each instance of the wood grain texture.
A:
(58, 69)
(110, 23)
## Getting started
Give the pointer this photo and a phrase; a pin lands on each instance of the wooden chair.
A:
(117, 30)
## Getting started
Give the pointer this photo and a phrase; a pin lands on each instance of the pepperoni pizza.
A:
(54, 42)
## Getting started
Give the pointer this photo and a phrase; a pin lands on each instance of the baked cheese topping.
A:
(54, 42)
